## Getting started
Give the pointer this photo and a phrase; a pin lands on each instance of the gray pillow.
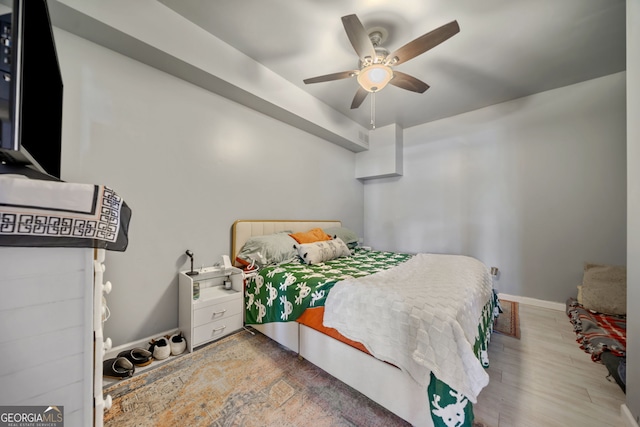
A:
(346, 235)
(604, 288)
(268, 249)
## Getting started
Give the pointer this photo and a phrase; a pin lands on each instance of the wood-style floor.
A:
(545, 379)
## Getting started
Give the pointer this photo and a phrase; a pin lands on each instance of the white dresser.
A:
(46, 315)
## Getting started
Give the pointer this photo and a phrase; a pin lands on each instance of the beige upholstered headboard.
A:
(243, 229)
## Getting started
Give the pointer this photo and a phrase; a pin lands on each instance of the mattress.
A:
(283, 292)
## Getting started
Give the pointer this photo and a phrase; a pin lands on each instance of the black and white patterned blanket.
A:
(38, 213)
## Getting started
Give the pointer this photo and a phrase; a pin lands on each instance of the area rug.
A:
(241, 380)
(508, 323)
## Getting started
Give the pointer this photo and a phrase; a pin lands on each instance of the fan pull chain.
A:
(373, 110)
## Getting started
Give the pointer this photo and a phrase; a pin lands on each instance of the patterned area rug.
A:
(241, 380)
(508, 323)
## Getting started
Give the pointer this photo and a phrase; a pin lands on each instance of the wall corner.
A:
(385, 155)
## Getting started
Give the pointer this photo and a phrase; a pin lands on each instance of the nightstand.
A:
(216, 311)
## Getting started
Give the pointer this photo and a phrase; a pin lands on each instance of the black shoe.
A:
(118, 367)
(138, 356)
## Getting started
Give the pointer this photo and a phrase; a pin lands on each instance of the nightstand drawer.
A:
(217, 329)
(216, 312)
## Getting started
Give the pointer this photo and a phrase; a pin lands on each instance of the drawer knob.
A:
(214, 330)
(215, 313)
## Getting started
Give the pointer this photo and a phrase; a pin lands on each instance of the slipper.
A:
(160, 348)
(178, 344)
(118, 367)
(138, 356)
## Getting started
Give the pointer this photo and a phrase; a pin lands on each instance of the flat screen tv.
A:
(30, 87)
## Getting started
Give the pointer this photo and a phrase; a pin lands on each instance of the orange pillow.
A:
(311, 236)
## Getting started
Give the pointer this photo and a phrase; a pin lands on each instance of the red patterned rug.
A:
(508, 323)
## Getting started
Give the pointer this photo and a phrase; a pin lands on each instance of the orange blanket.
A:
(312, 317)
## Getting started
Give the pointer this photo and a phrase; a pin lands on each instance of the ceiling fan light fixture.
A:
(374, 77)
(391, 61)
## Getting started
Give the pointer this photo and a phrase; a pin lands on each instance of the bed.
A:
(318, 319)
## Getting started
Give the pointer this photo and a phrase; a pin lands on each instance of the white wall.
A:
(633, 212)
(534, 186)
(188, 163)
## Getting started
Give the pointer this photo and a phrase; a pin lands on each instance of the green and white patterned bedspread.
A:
(281, 293)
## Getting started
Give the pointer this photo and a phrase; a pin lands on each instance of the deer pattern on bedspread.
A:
(281, 293)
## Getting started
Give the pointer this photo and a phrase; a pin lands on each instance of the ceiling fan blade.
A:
(424, 43)
(405, 81)
(358, 37)
(330, 77)
(361, 94)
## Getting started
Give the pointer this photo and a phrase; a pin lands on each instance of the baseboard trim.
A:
(627, 416)
(535, 302)
(143, 343)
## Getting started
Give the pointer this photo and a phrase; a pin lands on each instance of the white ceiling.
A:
(506, 49)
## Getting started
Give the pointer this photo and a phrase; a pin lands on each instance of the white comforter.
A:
(421, 316)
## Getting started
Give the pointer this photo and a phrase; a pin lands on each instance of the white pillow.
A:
(318, 252)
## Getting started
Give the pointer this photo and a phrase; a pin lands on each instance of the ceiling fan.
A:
(375, 67)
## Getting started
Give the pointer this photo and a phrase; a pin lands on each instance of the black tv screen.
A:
(30, 87)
